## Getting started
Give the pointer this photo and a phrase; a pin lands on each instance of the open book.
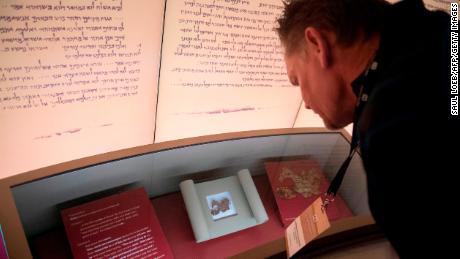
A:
(79, 78)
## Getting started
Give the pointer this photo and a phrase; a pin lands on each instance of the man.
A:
(387, 69)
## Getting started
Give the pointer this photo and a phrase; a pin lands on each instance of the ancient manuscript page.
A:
(77, 78)
(222, 69)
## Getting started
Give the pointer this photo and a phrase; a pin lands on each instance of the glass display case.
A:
(31, 202)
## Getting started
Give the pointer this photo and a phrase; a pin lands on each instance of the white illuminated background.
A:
(79, 78)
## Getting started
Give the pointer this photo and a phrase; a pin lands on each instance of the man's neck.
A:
(354, 60)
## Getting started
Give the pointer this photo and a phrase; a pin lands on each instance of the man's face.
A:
(323, 89)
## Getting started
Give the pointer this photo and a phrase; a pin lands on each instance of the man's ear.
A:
(318, 45)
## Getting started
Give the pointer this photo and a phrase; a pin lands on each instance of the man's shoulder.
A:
(413, 76)
(412, 30)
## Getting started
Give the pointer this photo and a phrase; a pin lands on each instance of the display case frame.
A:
(13, 197)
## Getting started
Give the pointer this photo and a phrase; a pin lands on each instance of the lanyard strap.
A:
(338, 178)
(337, 181)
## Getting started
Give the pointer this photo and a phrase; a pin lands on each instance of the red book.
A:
(122, 225)
(298, 183)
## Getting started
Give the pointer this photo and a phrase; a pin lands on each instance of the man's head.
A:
(327, 45)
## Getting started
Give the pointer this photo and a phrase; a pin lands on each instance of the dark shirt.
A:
(409, 140)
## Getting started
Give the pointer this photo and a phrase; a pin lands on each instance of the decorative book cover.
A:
(223, 206)
(122, 225)
(296, 184)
